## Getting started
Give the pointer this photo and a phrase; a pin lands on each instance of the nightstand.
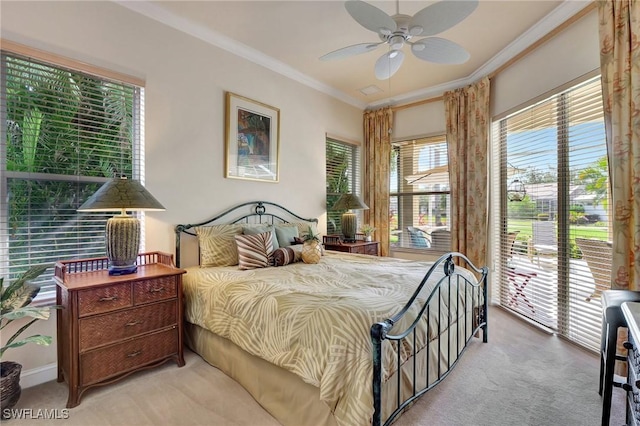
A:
(331, 242)
(112, 326)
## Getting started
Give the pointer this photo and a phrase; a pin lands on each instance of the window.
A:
(557, 149)
(343, 176)
(419, 204)
(64, 133)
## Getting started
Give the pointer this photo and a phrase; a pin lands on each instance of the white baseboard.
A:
(39, 375)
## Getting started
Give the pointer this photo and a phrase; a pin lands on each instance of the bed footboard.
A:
(463, 323)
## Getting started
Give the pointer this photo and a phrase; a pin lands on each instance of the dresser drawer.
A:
(111, 361)
(371, 249)
(358, 249)
(101, 330)
(154, 289)
(104, 299)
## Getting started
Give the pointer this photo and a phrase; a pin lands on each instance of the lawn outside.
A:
(524, 226)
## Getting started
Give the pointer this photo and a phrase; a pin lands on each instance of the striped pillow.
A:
(255, 251)
(285, 255)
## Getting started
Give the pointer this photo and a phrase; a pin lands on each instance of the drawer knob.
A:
(134, 354)
(132, 323)
(627, 387)
(156, 289)
(108, 299)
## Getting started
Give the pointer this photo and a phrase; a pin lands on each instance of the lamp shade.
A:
(121, 194)
(349, 202)
(349, 220)
(122, 234)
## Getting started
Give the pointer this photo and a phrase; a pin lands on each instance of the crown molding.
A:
(217, 39)
(554, 19)
(560, 14)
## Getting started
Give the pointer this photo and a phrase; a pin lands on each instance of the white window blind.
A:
(419, 192)
(557, 150)
(343, 176)
(64, 133)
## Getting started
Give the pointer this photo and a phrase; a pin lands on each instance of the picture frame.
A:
(252, 135)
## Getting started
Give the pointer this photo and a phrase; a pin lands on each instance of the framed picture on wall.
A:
(252, 134)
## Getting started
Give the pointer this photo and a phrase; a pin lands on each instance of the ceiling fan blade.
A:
(440, 16)
(388, 64)
(356, 49)
(370, 17)
(440, 51)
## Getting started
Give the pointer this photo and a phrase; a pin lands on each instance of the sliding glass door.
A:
(553, 206)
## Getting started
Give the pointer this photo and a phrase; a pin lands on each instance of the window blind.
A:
(343, 176)
(419, 192)
(64, 133)
(556, 148)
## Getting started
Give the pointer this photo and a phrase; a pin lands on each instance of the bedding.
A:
(314, 320)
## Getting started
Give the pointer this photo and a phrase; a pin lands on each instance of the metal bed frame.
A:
(381, 331)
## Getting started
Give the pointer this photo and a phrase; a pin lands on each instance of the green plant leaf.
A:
(28, 311)
(38, 339)
(32, 273)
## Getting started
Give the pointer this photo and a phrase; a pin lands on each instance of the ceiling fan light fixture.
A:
(398, 30)
(396, 42)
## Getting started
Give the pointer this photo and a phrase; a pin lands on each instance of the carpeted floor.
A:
(521, 377)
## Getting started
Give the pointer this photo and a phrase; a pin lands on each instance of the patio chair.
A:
(544, 239)
(597, 254)
(418, 237)
(510, 244)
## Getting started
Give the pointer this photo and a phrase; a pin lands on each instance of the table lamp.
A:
(122, 234)
(349, 220)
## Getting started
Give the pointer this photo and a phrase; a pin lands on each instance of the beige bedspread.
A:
(314, 320)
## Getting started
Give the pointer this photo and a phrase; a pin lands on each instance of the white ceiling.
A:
(290, 36)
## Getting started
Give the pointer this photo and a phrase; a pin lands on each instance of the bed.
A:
(320, 344)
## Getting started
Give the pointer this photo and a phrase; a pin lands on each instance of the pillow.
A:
(217, 244)
(259, 229)
(286, 234)
(285, 255)
(255, 251)
(303, 227)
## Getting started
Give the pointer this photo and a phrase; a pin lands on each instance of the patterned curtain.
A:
(377, 153)
(467, 114)
(620, 66)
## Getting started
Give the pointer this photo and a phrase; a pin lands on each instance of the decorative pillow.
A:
(217, 244)
(285, 255)
(255, 251)
(286, 234)
(259, 229)
(303, 227)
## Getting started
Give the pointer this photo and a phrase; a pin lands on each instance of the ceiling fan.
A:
(398, 30)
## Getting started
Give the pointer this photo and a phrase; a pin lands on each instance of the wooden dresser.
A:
(111, 326)
(631, 312)
(333, 242)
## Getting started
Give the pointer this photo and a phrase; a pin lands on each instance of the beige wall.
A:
(184, 117)
(571, 54)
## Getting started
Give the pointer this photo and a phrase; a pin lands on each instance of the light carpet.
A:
(521, 377)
